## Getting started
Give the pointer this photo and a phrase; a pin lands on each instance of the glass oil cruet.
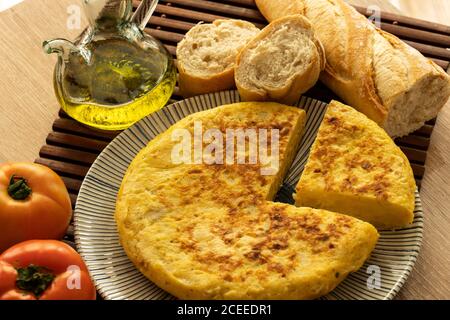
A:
(114, 74)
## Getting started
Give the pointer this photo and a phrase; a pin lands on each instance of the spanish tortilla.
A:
(355, 168)
(211, 232)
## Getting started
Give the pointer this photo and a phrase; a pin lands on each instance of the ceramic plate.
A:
(114, 274)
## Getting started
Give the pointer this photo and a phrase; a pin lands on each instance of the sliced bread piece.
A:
(355, 168)
(207, 55)
(281, 63)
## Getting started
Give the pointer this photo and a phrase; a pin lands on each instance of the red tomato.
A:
(44, 270)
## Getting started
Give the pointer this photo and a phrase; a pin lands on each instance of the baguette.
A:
(281, 63)
(371, 70)
(206, 56)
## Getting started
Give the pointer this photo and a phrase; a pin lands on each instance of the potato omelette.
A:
(211, 231)
(355, 168)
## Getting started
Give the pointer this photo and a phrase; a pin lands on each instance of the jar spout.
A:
(63, 48)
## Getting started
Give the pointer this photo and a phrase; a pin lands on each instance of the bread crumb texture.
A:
(211, 48)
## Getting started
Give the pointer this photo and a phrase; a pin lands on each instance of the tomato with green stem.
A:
(34, 204)
(44, 270)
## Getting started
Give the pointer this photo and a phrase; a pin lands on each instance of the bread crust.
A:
(191, 85)
(371, 70)
(296, 85)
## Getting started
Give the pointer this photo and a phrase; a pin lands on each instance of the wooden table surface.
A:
(28, 108)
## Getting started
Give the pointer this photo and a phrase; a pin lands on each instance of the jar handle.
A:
(144, 12)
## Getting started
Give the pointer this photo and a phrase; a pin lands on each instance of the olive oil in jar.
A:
(121, 84)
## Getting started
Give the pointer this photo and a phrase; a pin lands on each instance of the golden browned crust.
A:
(273, 10)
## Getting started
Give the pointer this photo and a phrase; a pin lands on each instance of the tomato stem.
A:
(34, 279)
(18, 188)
